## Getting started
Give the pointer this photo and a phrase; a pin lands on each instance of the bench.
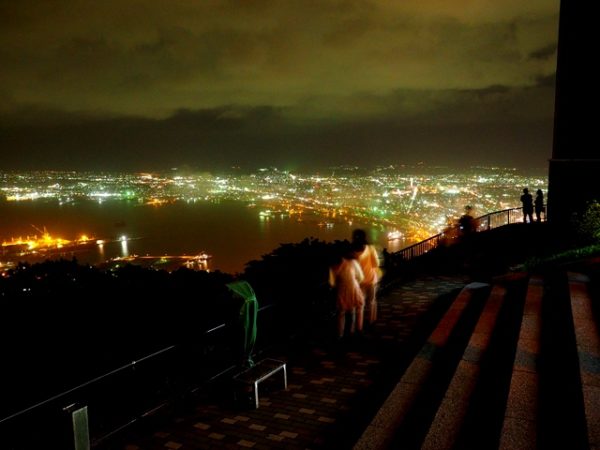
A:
(261, 371)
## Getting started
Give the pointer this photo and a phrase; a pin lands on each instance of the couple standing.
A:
(355, 275)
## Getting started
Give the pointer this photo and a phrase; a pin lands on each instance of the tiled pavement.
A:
(333, 391)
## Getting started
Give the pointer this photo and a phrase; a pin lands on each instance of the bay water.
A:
(231, 232)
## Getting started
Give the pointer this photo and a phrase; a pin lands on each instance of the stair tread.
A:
(521, 407)
(453, 409)
(588, 352)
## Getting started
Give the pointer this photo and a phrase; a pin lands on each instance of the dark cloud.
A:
(547, 52)
(207, 81)
(548, 81)
(251, 137)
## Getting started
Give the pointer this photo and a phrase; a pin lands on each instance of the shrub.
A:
(587, 224)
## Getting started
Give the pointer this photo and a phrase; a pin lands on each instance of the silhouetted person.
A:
(539, 205)
(466, 222)
(369, 263)
(527, 200)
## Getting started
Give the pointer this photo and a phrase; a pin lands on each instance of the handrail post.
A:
(489, 221)
(79, 426)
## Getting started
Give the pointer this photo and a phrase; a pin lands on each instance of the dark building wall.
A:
(574, 176)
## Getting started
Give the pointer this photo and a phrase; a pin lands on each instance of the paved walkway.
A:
(334, 389)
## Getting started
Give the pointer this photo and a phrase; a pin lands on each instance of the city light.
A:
(408, 202)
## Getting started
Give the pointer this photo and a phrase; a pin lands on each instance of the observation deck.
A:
(461, 357)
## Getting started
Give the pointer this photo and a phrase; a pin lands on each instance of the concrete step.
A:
(520, 421)
(588, 353)
(382, 430)
(560, 414)
(527, 375)
(444, 430)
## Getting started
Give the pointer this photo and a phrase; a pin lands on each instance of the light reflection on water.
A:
(229, 231)
(124, 248)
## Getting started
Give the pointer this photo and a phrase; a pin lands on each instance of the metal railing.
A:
(484, 223)
(133, 386)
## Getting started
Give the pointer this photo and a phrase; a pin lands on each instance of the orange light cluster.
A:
(45, 242)
(157, 202)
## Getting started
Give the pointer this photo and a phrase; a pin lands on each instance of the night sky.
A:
(302, 85)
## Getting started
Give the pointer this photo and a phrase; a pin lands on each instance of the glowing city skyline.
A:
(418, 201)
